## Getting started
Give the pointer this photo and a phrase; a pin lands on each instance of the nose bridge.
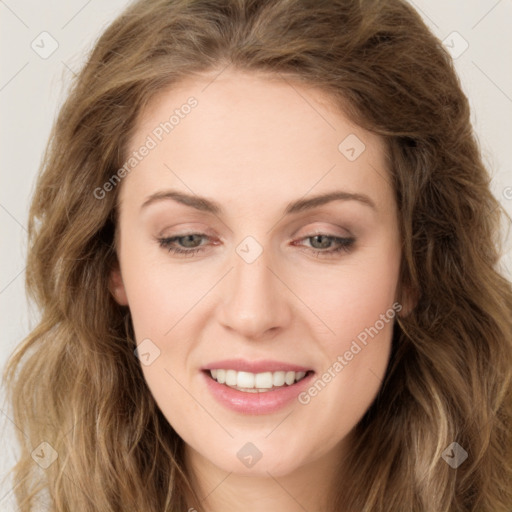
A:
(254, 300)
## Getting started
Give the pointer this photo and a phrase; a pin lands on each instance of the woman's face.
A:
(276, 285)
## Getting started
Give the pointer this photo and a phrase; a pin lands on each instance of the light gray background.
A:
(33, 87)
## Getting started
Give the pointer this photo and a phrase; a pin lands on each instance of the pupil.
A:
(320, 237)
(189, 238)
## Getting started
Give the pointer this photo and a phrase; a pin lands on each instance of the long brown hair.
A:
(75, 383)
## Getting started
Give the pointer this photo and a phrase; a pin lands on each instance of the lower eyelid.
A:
(204, 236)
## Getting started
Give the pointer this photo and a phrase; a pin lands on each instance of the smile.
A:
(256, 382)
(256, 387)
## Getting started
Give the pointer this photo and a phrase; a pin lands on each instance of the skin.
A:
(254, 144)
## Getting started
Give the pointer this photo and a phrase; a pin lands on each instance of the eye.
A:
(321, 244)
(190, 241)
(321, 241)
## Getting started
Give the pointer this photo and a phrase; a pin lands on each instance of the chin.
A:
(256, 459)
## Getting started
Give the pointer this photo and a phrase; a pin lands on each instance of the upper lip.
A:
(241, 365)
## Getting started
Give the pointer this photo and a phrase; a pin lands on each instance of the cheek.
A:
(162, 300)
(351, 296)
(357, 307)
(159, 294)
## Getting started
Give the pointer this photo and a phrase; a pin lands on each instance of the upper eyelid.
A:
(309, 232)
(298, 238)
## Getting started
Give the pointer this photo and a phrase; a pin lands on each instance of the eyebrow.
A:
(300, 205)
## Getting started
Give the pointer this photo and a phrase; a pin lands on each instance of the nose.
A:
(255, 300)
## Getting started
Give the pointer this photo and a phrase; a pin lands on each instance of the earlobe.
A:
(116, 286)
(409, 302)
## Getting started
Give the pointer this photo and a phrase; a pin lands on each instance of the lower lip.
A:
(265, 402)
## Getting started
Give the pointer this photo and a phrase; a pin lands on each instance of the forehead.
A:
(256, 134)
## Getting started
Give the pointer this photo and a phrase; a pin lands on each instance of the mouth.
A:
(262, 382)
(256, 387)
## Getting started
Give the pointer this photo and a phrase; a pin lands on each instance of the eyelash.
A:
(345, 245)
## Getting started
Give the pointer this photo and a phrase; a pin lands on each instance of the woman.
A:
(266, 255)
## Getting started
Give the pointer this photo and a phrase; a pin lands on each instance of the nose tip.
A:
(254, 300)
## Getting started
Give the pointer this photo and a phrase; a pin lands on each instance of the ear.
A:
(410, 299)
(116, 286)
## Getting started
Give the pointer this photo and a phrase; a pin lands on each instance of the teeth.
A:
(255, 382)
(231, 378)
(264, 380)
(245, 379)
(278, 378)
(289, 378)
